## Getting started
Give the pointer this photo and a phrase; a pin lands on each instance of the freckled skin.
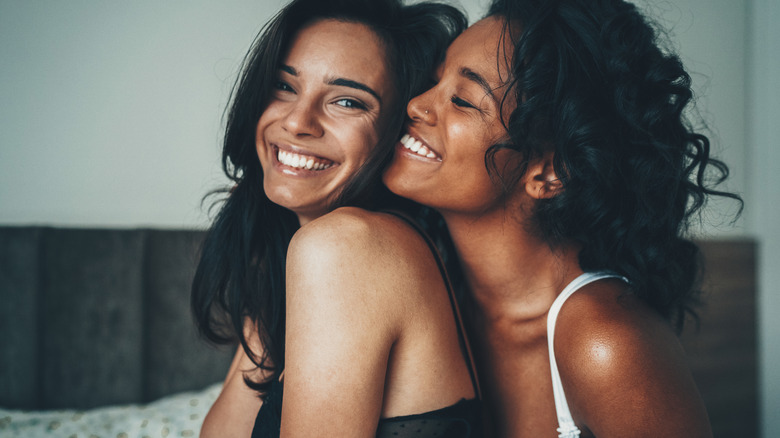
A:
(311, 115)
(315, 117)
(370, 332)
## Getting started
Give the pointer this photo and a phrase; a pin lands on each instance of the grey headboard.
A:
(96, 317)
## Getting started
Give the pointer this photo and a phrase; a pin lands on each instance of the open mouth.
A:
(301, 161)
(412, 144)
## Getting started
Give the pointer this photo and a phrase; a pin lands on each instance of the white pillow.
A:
(179, 415)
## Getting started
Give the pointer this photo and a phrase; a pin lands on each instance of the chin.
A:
(391, 178)
(283, 197)
(397, 184)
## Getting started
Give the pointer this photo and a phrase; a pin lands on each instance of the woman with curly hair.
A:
(555, 147)
(352, 319)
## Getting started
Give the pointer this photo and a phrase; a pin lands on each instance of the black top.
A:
(461, 420)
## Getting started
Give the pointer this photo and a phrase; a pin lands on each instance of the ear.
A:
(541, 181)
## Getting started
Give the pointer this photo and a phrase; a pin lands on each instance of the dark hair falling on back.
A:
(593, 86)
(242, 267)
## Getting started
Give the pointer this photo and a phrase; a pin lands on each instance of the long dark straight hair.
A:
(241, 271)
(592, 84)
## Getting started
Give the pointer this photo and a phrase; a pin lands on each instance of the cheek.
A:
(359, 143)
(273, 111)
(260, 146)
(468, 146)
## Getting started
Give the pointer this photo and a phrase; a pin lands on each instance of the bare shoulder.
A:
(351, 234)
(350, 275)
(353, 225)
(360, 253)
(617, 355)
(604, 323)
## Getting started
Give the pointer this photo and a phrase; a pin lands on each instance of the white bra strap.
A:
(566, 426)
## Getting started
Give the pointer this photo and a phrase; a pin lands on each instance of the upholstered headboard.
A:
(97, 317)
(722, 353)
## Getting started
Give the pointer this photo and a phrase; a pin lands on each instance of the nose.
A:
(302, 119)
(421, 108)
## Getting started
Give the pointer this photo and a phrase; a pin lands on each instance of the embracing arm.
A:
(623, 369)
(342, 320)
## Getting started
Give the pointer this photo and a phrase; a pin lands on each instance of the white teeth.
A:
(292, 159)
(416, 146)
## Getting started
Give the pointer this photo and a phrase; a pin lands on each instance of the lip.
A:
(432, 154)
(320, 164)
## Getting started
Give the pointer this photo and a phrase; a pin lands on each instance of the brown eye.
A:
(283, 86)
(350, 103)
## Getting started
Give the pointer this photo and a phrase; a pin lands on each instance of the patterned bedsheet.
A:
(179, 415)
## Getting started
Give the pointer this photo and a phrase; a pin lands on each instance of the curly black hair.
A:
(592, 85)
(242, 266)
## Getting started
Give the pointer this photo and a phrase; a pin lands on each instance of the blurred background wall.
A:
(111, 116)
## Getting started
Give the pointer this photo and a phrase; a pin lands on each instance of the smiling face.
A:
(325, 115)
(440, 161)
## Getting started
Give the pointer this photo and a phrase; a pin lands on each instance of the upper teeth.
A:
(416, 146)
(302, 161)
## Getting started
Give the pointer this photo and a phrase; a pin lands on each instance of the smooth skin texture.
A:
(234, 411)
(622, 367)
(370, 330)
(454, 120)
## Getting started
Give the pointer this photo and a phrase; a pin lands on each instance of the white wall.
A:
(111, 111)
(763, 121)
(733, 50)
(111, 115)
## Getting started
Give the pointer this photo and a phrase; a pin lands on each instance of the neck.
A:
(508, 269)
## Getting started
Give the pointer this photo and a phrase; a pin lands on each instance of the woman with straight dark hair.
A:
(559, 156)
(353, 317)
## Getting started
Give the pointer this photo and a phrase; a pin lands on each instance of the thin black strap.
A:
(463, 340)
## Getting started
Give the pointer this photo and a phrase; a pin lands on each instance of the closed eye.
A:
(461, 103)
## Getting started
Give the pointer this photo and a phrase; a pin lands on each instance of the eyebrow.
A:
(288, 69)
(354, 84)
(478, 79)
(341, 82)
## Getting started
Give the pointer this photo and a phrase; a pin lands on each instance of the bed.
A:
(98, 341)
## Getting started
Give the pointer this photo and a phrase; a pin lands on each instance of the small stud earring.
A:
(426, 111)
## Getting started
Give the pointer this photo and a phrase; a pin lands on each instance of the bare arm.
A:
(235, 410)
(343, 318)
(623, 369)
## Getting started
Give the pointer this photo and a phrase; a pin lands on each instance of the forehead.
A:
(481, 49)
(335, 48)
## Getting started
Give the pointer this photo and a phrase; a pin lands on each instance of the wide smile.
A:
(298, 161)
(418, 147)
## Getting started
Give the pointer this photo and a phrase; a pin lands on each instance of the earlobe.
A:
(541, 180)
